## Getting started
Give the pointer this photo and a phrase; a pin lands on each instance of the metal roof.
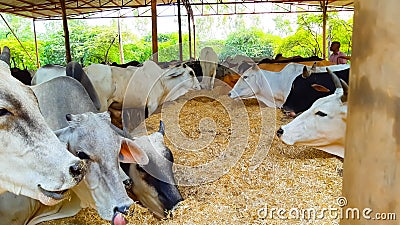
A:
(51, 9)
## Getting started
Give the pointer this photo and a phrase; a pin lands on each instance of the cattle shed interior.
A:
(267, 174)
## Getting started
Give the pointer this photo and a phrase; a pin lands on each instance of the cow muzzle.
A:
(279, 132)
(78, 170)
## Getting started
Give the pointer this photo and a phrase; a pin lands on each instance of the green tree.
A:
(252, 43)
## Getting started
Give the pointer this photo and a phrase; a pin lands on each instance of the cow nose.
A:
(78, 170)
(229, 94)
(128, 183)
(121, 209)
(279, 132)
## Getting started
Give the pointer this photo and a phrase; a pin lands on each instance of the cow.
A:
(155, 86)
(91, 137)
(154, 182)
(271, 88)
(125, 65)
(74, 70)
(323, 125)
(34, 162)
(308, 87)
(208, 63)
(22, 75)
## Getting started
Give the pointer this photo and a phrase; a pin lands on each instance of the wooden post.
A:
(36, 44)
(121, 47)
(372, 157)
(324, 11)
(154, 38)
(190, 38)
(66, 32)
(180, 30)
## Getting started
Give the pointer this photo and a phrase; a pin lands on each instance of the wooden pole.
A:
(36, 44)
(190, 38)
(180, 30)
(154, 30)
(121, 47)
(324, 11)
(66, 32)
(371, 178)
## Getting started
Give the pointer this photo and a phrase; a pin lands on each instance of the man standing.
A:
(337, 57)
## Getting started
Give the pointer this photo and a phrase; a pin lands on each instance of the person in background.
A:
(337, 57)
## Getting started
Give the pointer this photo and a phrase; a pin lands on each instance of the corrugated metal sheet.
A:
(42, 9)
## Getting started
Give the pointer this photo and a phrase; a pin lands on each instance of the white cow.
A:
(33, 161)
(148, 89)
(208, 63)
(272, 88)
(92, 138)
(48, 72)
(323, 125)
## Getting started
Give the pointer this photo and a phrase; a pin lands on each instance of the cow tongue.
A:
(118, 219)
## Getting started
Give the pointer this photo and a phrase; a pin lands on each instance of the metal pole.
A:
(36, 44)
(66, 32)
(121, 47)
(154, 30)
(180, 31)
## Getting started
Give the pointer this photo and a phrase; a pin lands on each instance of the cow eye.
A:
(82, 155)
(191, 73)
(322, 114)
(245, 77)
(4, 112)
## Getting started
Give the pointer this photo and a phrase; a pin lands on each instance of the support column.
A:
(180, 30)
(121, 47)
(190, 38)
(324, 11)
(66, 32)
(154, 34)
(36, 44)
(371, 181)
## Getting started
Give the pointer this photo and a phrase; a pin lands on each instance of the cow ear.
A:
(132, 153)
(320, 88)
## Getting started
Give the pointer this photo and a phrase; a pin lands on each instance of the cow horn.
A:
(345, 90)
(305, 72)
(5, 55)
(335, 78)
(120, 132)
(162, 128)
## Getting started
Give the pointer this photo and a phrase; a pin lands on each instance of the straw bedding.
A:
(231, 167)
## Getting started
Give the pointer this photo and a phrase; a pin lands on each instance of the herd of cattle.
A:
(68, 148)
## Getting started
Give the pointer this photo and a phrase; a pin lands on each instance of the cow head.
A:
(323, 125)
(311, 85)
(33, 161)
(248, 84)
(178, 80)
(154, 183)
(92, 138)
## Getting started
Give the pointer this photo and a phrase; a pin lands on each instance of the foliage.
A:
(251, 43)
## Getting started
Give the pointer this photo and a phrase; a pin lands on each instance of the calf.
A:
(34, 162)
(323, 125)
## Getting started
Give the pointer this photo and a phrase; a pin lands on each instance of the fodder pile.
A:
(233, 170)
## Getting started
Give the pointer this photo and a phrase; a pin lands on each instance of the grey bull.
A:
(33, 161)
(159, 194)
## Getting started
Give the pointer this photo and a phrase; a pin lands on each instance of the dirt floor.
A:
(233, 170)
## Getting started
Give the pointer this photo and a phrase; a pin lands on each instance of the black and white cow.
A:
(308, 87)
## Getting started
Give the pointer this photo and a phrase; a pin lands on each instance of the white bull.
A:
(208, 63)
(34, 162)
(92, 138)
(272, 88)
(323, 125)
